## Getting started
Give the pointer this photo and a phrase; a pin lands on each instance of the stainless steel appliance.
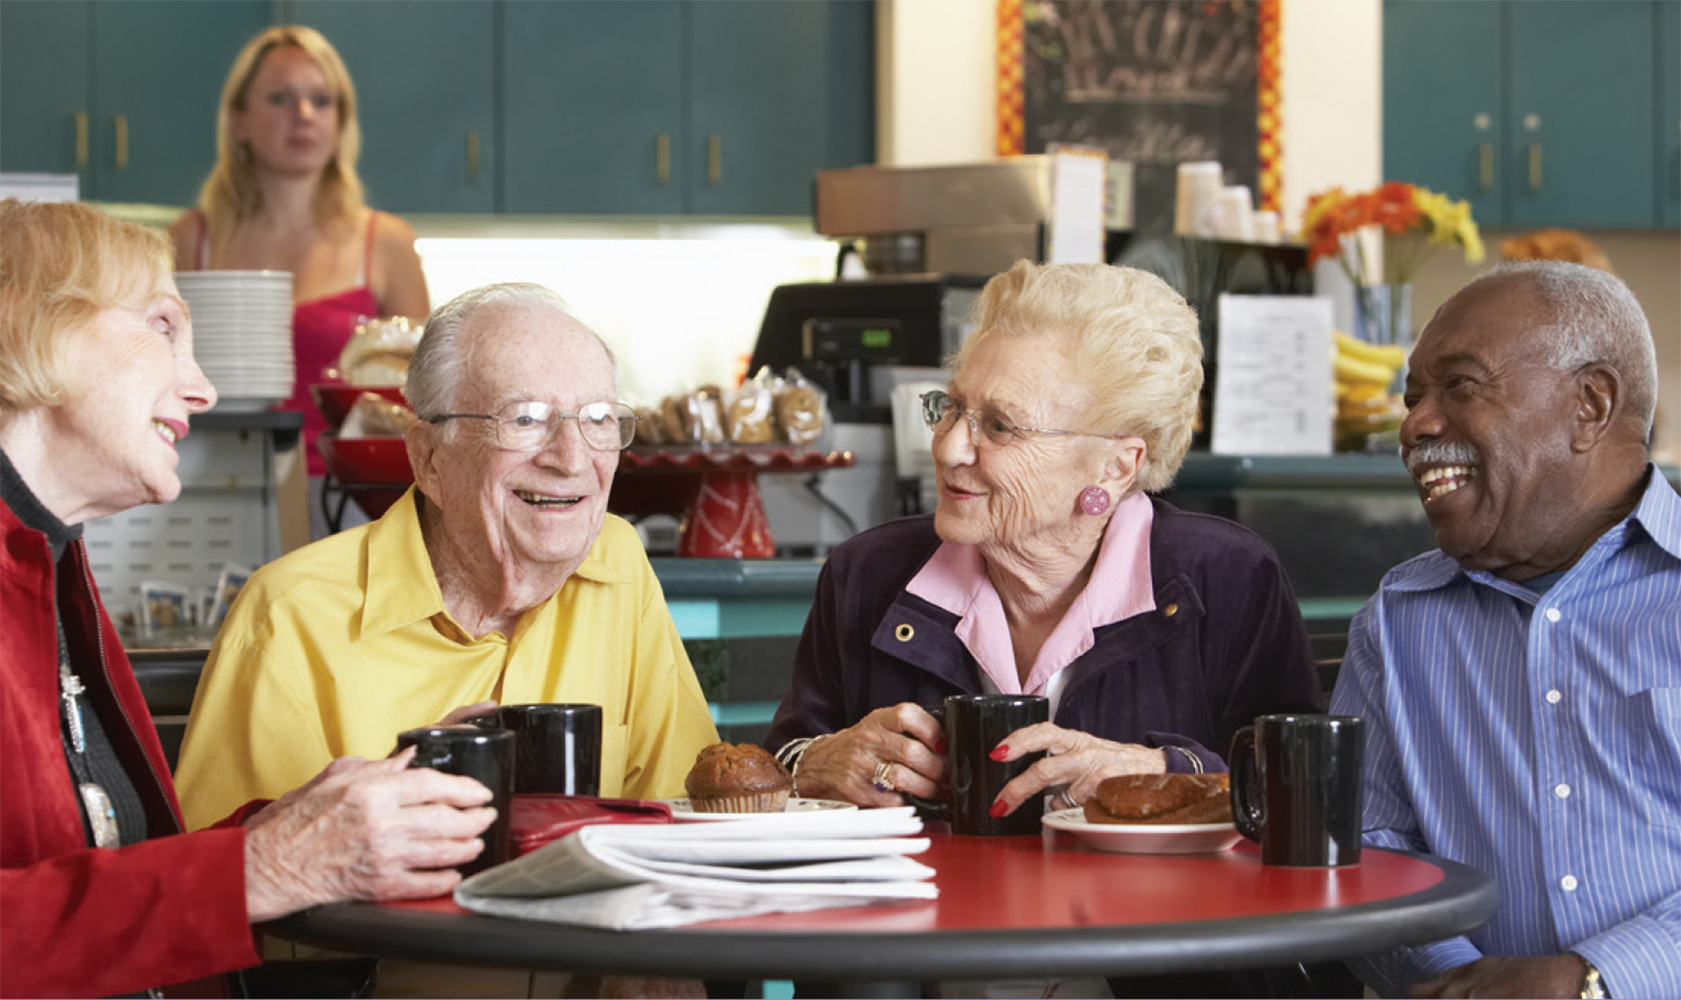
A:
(970, 218)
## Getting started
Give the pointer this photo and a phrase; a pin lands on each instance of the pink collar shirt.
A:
(955, 579)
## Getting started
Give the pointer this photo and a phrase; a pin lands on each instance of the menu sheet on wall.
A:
(1272, 390)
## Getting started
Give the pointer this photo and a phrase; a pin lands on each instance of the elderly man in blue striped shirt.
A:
(1522, 684)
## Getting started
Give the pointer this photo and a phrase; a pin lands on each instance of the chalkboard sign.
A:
(1154, 82)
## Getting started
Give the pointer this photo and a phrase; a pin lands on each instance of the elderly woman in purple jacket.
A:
(1047, 569)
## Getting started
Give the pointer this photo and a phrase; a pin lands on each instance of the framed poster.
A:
(1153, 82)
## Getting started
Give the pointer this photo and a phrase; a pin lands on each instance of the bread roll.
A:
(1161, 798)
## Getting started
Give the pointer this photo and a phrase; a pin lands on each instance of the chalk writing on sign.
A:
(1155, 82)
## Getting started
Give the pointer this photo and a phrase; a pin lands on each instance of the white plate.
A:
(1146, 838)
(682, 812)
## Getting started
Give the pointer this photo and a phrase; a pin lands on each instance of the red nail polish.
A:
(1000, 753)
(940, 746)
(998, 810)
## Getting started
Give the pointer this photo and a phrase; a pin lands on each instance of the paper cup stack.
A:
(242, 334)
(1197, 200)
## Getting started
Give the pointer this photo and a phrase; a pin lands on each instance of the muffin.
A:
(737, 778)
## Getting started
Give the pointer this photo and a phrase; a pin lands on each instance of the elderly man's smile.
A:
(547, 500)
(1439, 481)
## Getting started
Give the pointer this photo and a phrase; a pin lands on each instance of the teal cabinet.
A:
(425, 76)
(778, 91)
(593, 107)
(1540, 114)
(46, 87)
(1581, 112)
(728, 107)
(1443, 94)
(123, 92)
(1668, 187)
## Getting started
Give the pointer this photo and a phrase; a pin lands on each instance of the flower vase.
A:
(1383, 314)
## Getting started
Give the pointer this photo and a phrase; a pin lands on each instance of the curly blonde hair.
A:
(230, 194)
(1136, 346)
(61, 264)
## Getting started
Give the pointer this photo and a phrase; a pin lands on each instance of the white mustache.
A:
(1441, 453)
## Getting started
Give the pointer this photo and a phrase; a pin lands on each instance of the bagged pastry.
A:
(747, 414)
(378, 352)
(372, 415)
(799, 406)
(650, 427)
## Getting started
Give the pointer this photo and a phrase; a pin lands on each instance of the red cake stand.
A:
(715, 489)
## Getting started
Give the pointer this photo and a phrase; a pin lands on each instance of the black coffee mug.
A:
(486, 755)
(974, 725)
(1297, 788)
(558, 750)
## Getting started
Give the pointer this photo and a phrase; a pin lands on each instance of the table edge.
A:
(1463, 900)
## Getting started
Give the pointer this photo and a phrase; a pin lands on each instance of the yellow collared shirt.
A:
(343, 644)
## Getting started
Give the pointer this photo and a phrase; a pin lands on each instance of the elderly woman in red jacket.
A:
(1047, 569)
(103, 892)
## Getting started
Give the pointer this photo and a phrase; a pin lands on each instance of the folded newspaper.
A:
(637, 876)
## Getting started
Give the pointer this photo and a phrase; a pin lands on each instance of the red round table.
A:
(1008, 908)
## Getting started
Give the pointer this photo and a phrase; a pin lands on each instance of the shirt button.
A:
(1553, 614)
(1562, 791)
(1568, 883)
(1553, 697)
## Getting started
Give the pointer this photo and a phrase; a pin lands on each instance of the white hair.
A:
(440, 361)
(1595, 320)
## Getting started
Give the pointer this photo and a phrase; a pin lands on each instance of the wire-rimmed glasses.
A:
(940, 412)
(530, 425)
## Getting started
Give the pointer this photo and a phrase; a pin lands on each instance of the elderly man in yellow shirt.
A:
(500, 577)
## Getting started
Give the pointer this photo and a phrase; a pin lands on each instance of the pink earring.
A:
(1094, 500)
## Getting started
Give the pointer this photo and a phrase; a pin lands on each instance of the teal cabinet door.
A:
(425, 81)
(158, 68)
(1669, 112)
(45, 87)
(1443, 92)
(778, 91)
(592, 96)
(1582, 108)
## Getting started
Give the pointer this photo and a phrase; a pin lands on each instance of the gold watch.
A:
(1592, 988)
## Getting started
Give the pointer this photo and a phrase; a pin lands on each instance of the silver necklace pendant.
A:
(102, 816)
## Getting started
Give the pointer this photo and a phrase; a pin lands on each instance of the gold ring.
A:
(881, 782)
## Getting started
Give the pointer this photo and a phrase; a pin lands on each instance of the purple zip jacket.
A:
(1224, 644)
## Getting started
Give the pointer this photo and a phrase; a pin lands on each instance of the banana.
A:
(1389, 355)
(1353, 371)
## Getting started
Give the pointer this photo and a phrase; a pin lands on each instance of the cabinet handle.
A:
(662, 158)
(714, 158)
(122, 142)
(1485, 155)
(81, 139)
(473, 157)
(1535, 167)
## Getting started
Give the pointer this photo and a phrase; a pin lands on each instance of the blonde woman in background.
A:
(284, 196)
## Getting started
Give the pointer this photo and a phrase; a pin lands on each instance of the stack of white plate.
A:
(242, 334)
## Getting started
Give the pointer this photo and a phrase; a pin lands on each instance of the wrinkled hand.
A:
(459, 716)
(363, 830)
(843, 765)
(1073, 760)
(1507, 976)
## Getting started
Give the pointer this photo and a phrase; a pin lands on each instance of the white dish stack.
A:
(242, 335)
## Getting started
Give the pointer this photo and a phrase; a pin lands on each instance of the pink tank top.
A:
(320, 329)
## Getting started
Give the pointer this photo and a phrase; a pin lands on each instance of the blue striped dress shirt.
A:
(1536, 737)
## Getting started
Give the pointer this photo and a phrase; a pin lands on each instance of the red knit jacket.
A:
(75, 920)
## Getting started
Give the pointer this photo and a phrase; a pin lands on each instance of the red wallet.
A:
(535, 820)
